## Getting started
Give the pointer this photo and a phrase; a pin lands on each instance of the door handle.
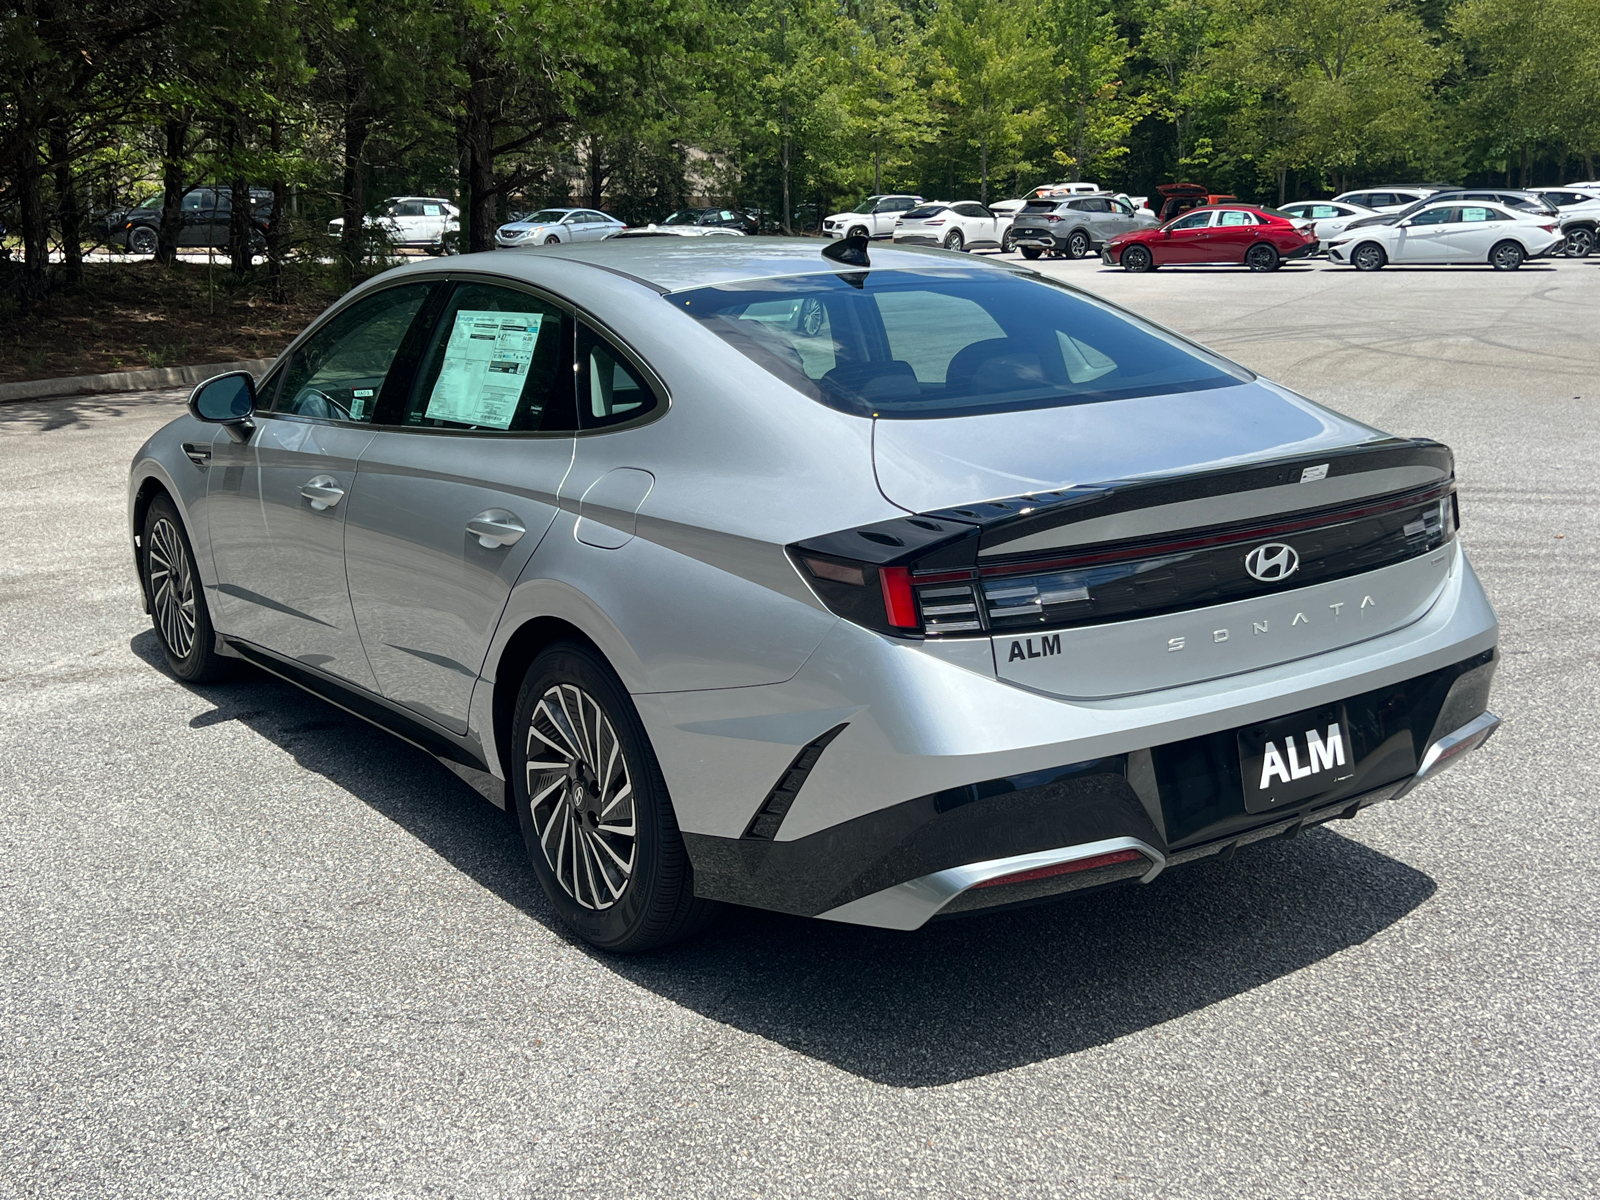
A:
(496, 527)
(323, 492)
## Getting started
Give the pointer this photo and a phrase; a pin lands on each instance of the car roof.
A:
(670, 264)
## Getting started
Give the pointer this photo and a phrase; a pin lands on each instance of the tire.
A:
(859, 231)
(1031, 252)
(574, 722)
(142, 240)
(954, 241)
(1507, 256)
(177, 599)
(1078, 245)
(1369, 256)
(1262, 257)
(1580, 242)
(552, 240)
(1005, 242)
(1138, 260)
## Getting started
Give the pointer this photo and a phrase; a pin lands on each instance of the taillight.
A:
(1053, 217)
(892, 577)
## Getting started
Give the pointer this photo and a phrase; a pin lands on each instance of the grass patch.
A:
(132, 315)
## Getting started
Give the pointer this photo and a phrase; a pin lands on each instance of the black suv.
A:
(727, 218)
(206, 214)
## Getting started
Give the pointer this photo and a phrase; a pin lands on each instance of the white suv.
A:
(874, 217)
(410, 222)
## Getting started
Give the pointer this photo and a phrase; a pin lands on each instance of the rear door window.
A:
(497, 360)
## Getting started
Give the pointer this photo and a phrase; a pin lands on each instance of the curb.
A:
(125, 381)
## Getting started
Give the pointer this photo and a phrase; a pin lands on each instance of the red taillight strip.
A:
(1155, 549)
(898, 604)
(1066, 868)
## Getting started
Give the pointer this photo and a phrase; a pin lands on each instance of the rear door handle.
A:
(323, 492)
(496, 527)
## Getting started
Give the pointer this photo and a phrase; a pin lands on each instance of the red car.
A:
(1260, 238)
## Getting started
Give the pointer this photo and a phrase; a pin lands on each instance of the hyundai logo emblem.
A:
(1272, 563)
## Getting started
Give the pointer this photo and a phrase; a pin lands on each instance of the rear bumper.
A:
(1005, 841)
(1305, 251)
(1036, 237)
(917, 239)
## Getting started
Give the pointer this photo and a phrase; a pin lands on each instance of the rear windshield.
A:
(923, 211)
(905, 344)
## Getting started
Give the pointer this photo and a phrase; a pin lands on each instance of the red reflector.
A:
(898, 604)
(1066, 868)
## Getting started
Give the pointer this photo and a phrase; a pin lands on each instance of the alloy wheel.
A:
(581, 796)
(1261, 258)
(1369, 257)
(1136, 258)
(1078, 245)
(1580, 242)
(172, 588)
(1507, 256)
(142, 241)
(955, 241)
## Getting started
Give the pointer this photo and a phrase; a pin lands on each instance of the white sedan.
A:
(551, 226)
(966, 225)
(1327, 217)
(1451, 232)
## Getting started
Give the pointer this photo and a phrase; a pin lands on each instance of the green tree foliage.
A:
(790, 108)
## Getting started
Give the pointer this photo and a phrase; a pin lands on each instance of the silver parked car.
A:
(867, 588)
(552, 226)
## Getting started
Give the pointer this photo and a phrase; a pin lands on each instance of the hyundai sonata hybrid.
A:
(874, 588)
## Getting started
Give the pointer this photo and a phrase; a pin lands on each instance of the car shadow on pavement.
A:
(961, 998)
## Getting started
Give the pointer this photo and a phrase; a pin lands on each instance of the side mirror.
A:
(226, 400)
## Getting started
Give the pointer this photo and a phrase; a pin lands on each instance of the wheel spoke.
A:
(534, 800)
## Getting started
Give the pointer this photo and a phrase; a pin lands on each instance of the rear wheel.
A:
(1262, 257)
(177, 599)
(1031, 252)
(1138, 259)
(1368, 256)
(142, 240)
(954, 241)
(1507, 256)
(594, 810)
(1005, 242)
(1077, 244)
(1580, 242)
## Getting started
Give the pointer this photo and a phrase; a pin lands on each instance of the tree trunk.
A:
(785, 158)
(275, 222)
(877, 169)
(479, 205)
(1283, 180)
(68, 215)
(35, 225)
(597, 175)
(172, 191)
(241, 227)
(983, 157)
(357, 126)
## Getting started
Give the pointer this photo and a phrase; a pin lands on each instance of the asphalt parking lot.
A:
(251, 947)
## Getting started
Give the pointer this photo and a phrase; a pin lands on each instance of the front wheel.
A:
(177, 599)
(1580, 242)
(594, 810)
(859, 231)
(1077, 244)
(552, 240)
(1137, 259)
(1507, 256)
(1261, 257)
(1369, 257)
(142, 240)
(954, 241)
(1031, 252)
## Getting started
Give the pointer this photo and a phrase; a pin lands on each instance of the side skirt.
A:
(453, 752)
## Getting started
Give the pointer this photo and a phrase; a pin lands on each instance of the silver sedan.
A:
(862, 583)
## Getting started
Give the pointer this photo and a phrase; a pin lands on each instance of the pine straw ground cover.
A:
(131, 315)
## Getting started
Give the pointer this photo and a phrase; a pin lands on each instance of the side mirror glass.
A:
(226, 400)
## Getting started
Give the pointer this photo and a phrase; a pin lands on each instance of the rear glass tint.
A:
(906, 344)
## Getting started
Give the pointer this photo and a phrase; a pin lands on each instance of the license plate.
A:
(1295, 758)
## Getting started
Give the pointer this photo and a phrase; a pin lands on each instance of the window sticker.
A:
(485, 367)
